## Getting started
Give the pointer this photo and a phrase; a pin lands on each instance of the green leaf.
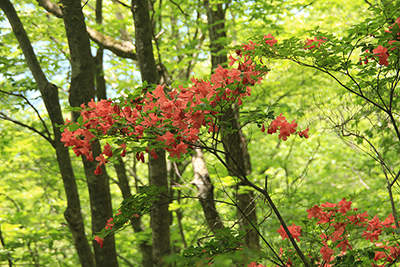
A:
(80, 120)
(73, 127)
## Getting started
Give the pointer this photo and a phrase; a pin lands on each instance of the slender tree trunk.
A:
(201, 177)
(82, 91)
(238, 160)
(123, 182)
(50, 98)
(8, 256)
(217, 34)
(205, 191)
(157, 167)
(98, 59)
(160, 215)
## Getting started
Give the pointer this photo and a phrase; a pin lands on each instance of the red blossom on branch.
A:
(326, 253)
(99, 240)
(270, 40)
(335, 234)
(310, 43)
(294, 230)
(109, 225)
(285, 128)
(154, 111)
(304, 133)
(383, 54)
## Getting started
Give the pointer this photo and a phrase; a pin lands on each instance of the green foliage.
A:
(133, 208)
(300, 172)
(32, 202)
(224, 249)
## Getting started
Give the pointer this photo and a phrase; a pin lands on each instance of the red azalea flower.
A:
(99, 240)
(270, 40)
(383, 54)
(294, 230)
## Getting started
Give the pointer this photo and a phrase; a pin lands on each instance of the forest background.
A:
(36, 228)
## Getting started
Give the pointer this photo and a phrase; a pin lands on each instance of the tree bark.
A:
(157, 167)
(237, 158)
(205, 191)
(82, 90)
(50, 98)
(123, 49)
(82, 79)
(217, 34)
(143, 38)
(98, 59)
(160, 215)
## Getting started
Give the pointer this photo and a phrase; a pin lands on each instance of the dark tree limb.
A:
(125, 260)
(242, 176)
(98, 59)
(234, 142)
(51, 7)
(3, 243)
(82, 90)
(122, 49)
(217, 34)
(123, 4)
(179, 7)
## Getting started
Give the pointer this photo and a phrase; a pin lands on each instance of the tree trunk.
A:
(160, 215)
(157, 167)
(98, 59)
(82, 91)
(205, 191)
(237, 158)
(50, 98)
(217, 34)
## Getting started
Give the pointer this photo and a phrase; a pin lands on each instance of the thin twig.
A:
(5, 117)
(123, 4)
(183, 12)
(125, 260)
(33, 107)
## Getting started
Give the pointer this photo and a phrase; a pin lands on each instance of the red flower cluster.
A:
(381, 51)
(284, 127)
(294, 230)
(336, 222)
(109, 225)
(270, 40)
(383, 54)
(173, 117)
(99, 240)
(310, 43)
